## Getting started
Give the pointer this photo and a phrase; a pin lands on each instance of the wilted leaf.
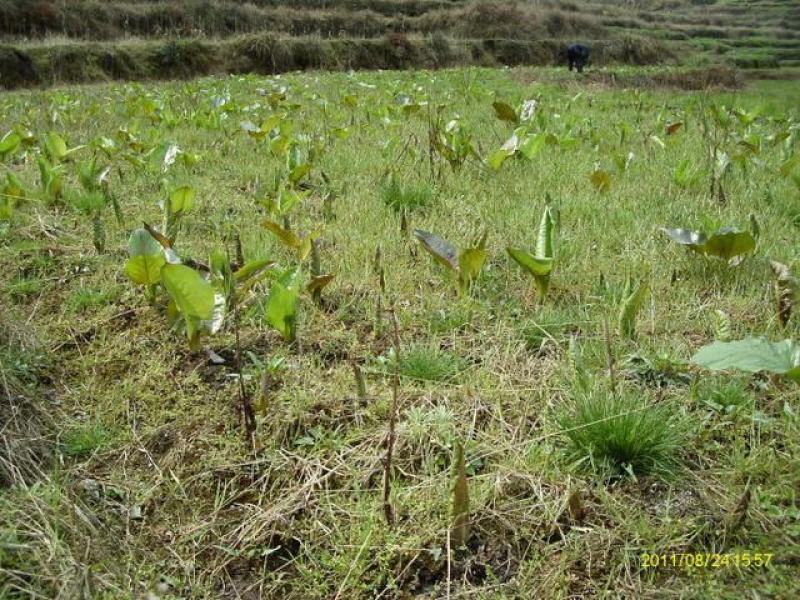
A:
(288, 237)
(752, 355)
(787, 290)
(459, 531)
(318, 283)
(674, 127)
(601, 180)
(504, 112)
(442, 251)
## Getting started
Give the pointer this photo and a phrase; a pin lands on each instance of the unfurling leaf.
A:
(470, 263)
(459, 531)
(787, 290)
(539, 268)
(632, 302)
(752, 355)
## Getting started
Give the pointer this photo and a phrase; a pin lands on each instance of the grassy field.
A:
(246, 465)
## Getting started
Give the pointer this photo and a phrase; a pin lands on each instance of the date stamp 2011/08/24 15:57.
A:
(701, 560)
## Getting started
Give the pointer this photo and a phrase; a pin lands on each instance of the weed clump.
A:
(619, 435)
(402, 198)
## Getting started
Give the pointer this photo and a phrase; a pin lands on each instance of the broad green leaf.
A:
(145, 269)
(441, 251)
(281, 310)
(752, 355)
(55, 145)
(498, 157)
(9, 143)
(251, 268)
(533, 145)
(728, 243)
(193, 295)
(287, 237)
(181, 199)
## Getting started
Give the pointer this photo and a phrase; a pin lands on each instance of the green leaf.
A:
(192, 294)
(544, 240)
(318, 283)
(181, 199)
(470, 263)
(251, 268)
(539, 268)
(752, 355)
(55, 145)
(441, 251)
(498, 157)
(504, 112)
(9, 143)
(728, 243)
(145, 269)
(281, 311)
(533, 145)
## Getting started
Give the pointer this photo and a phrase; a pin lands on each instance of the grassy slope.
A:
(80, 41)
(146, 428)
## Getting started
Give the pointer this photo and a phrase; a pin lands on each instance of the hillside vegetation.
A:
(47, 41)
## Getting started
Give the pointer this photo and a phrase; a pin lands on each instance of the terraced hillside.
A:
(49, 41)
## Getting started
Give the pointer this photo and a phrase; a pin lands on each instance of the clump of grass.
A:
(85, 439)
(22, 288)
(431, 364)
(405, 198)
(727, 396)
(619, 435)
(85, 298)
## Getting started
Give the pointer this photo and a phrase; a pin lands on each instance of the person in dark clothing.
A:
(578, 56)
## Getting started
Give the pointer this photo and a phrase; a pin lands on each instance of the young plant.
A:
(12, 194)
(752, 355)
(51, 178)
(281, 308)
(178, 202)
(145, 260)
(193, 302)
(466, 264)
(633, 298)
(540, 265)
(727, 243)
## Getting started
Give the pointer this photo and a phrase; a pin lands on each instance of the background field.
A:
(125, 467)
(84, 40)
